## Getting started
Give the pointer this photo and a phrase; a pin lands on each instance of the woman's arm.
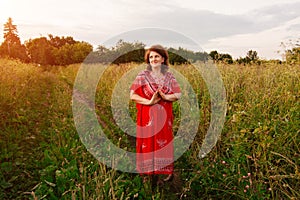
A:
(138, 99)
(169, 97)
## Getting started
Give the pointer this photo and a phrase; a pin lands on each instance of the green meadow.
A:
(256, 157)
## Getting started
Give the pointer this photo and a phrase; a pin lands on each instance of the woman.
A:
(154, 90)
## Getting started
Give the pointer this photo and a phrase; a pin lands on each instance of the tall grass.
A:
(257, 156)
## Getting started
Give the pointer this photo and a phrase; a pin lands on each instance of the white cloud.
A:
(266, 43)
(228, 7)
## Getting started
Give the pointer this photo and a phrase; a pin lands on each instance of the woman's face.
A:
(155, 59)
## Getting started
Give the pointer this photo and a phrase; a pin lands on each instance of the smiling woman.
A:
(154, 90)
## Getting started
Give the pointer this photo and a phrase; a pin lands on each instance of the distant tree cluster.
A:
(219, 57)
(125, 52)
(291, 51)
(251, 58)
(43, 50)
(181, 55)
(293, 55)
(57, 50)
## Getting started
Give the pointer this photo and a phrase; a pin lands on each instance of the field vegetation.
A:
(256, 157)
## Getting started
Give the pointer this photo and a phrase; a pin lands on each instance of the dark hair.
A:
(161, 51)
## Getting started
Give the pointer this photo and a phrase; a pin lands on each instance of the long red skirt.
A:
(154, 143)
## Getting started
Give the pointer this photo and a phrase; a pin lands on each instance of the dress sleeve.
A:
(174, 85)
(137, 84)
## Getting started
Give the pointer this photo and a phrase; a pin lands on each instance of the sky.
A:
(232, 26)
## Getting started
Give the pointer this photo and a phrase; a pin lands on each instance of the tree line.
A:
(51, 50)
(54, 50)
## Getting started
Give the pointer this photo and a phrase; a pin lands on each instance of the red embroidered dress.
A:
(154, 124)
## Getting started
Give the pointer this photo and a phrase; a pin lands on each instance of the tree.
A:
(57, 50)
(12, 46)
(182, 55)
(214, 55)
(72, 53)
(60, 41)
(293, 56)
(252, 56)
(292, 51)
(125, 52)
(100, 55)
(226, 58)
(174, 57)
(217, 57)
(40, 51)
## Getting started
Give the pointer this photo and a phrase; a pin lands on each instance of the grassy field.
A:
(256, 157)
